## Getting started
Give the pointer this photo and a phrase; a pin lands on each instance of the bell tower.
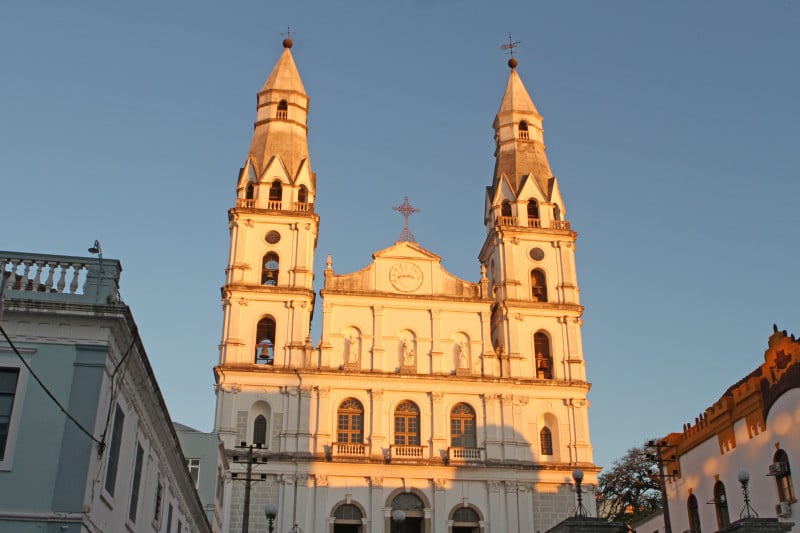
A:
(268, 296)
(529, 251)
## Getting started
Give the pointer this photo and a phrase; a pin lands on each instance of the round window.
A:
(537, 254)
(273, 237)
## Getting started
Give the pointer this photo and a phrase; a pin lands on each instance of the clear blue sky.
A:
(672, 127)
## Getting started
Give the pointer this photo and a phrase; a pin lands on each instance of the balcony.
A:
(247, 203)
(274, 205)
(349, 449)
(406, 452)
(304, 207)
(60, 278)
(561, 224)
(534, 223)
(507, 221)
(465, 455)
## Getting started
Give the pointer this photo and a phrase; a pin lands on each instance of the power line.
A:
(101, 445)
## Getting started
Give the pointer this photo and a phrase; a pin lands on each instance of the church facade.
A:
(430, 403)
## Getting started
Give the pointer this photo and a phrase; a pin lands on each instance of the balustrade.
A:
(59, 277)
(248, 203)
(561, 224)
(349, 449)
(508, 221)
(274, 205)
(399, 451)
(465, 455)
(534, 223)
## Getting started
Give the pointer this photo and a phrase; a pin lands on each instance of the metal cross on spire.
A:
(407, 210)
(510, 46)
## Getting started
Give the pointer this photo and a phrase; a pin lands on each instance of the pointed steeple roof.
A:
(520, 150)
(516, 97)
(284, 76)
(281, 122)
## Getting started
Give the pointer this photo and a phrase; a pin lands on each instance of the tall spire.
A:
(281, 122)
(519, 137)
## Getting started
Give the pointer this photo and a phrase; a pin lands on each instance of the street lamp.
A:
(271, 511)
(399, 517)
(747, 512)
(577, 475)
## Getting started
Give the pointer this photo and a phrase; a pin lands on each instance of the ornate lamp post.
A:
(399, 517)
(577, 475)
(747, 512)
(271, 511)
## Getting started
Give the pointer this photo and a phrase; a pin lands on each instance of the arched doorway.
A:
(465, 520)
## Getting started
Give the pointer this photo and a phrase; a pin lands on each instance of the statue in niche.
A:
(463, 354)
(408, 353)
(351, 350)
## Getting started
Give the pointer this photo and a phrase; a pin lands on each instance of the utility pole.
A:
(662, 479)
(250, 459)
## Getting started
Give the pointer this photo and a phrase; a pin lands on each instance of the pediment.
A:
(404, 269)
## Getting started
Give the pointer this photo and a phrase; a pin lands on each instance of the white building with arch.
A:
(458, 406)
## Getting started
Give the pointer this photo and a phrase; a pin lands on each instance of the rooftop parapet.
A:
(61, 278)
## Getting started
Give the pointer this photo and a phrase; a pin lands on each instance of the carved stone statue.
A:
(351, 350)
(463, 354)
(408, 353)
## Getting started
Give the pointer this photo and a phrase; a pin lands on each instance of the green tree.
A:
(630, 489)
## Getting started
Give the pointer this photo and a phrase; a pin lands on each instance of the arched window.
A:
(260, 430)
(269, 270)
(466, 518)
(544, 361)
(783, 476)
(694, 514)
(505, 208)
(462, 426)
(533, 209)
(302, 195)
(283, 109)
(249, 191)
(275, 195)
(556, 212)
(350, 421)
(523, 129)
(348, 518)
(538, 286)
(546, 441)
(265, 341)
(406, 424)
(721, 505)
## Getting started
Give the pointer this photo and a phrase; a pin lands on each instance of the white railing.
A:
(246, 202)
(523, 134)
(561, 224)
(534, 223)
(274, 205)
(56, 277)
(400, 451)
(508, 221)
(304, 207)
(466, 455)
(349, 449)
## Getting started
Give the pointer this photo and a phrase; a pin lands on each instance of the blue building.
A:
(86, 442)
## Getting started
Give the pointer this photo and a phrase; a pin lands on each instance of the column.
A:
(377, 362)
(320, 504)
(438, 425)
(325, 416)
(377, 434)
(507, 421)
(436, 348)
(439, 505)
(304, 418)
(512, 510)
(376, 505)
(492, 427)
(497, 521)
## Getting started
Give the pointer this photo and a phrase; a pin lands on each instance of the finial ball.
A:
(287, 43)
(512, 63)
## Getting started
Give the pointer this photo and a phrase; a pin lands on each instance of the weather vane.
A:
(510, 46)
(407, 210)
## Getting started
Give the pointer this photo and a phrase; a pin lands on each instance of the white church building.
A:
(430, 403)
